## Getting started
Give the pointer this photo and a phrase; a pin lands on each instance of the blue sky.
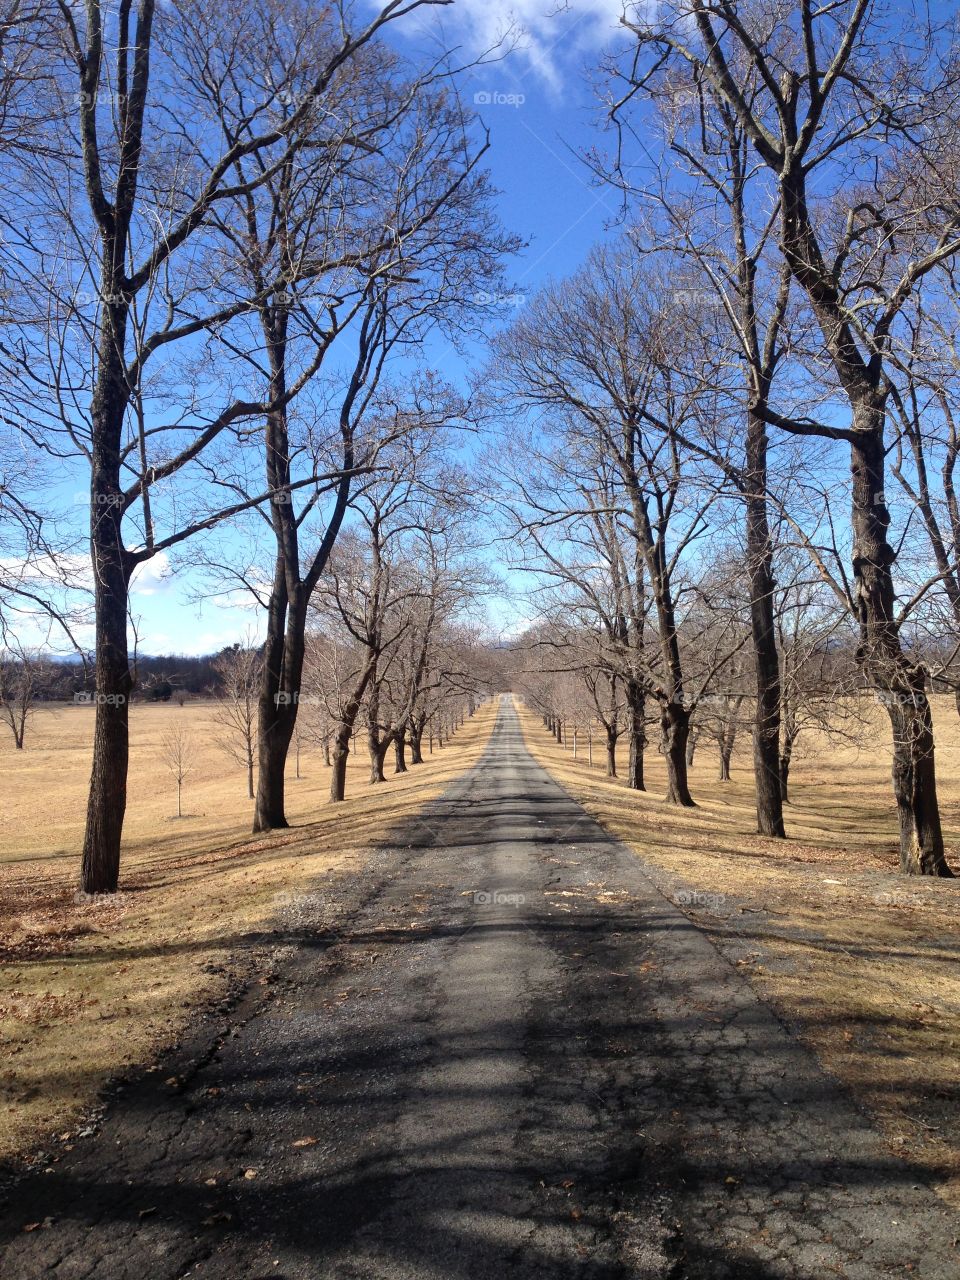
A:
(538, 102)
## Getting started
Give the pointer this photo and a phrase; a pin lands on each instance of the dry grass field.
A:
(863, 962)
(89, 988)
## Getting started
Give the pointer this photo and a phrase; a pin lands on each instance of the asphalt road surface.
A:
(499, 1052)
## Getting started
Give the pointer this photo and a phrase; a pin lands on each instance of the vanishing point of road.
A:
(499, 1051)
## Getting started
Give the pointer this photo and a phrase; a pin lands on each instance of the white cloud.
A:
(71, 571)
(543, 35)
(153, 576)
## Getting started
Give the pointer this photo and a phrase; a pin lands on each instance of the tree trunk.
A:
(345, 732)
(399, 754)
(914, 780)
(611, 754)
(785, 777)
(675, 729)
(724, 765)
(338, 774)
(693, 737)
(416, 745)
(107, 799)
(250, 791)
(636, 711)
(275, 703)
(766, 724)
(901, 684)
(378, 753)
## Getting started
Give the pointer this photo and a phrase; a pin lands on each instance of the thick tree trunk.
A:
(724, 765)
(636, 712)
(611, 754)
(416, 744)
(766, 724)
(378, 754)
(399, 754)
(277, 703)
(914, 779)
(338, 774)
(900, 684)
(274, 744)
(107, 798)
(675, 728)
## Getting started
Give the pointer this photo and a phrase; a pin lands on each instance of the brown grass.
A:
(861, 960)
(87, 989)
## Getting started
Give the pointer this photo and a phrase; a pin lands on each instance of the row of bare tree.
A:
(775, 330)
(387, 641)
(227, 232)
(571, 671)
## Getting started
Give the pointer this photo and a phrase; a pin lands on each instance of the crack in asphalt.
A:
(501, 1052)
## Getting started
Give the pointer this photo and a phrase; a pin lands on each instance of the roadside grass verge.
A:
(90, 989)
(861, 961)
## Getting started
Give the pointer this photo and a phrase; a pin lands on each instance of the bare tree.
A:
(239, 672)
(713, 235)
(177, 746)
(124, 193)
(819, 689)
(924, 409)
(598, 357)
(378, 248)
(837, 89)
(21, 676)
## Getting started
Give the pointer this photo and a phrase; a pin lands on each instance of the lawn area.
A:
(90, 988)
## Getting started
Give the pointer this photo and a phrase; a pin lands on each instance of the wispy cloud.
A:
(541, 37)
(152, 576)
